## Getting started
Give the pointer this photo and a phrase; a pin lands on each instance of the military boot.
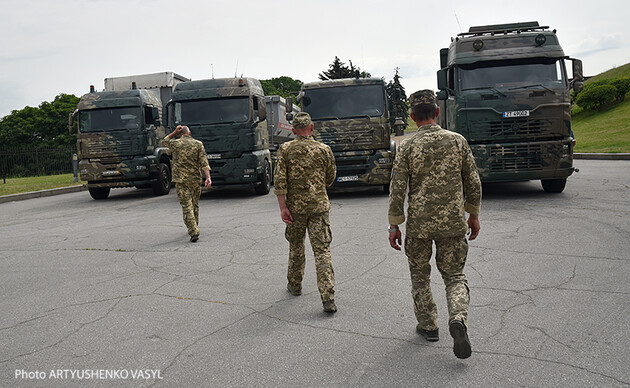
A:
(461, 343)
(330, 307)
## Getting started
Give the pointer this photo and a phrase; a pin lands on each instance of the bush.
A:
(597, 97)
(623, 87)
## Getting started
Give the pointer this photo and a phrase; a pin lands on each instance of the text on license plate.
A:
(348, 178)
(214, 156)
(516, 113)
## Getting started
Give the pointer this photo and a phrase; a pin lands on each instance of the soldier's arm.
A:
(471, 181)
(205, 167)
(331, 170)
(398, 188)
(280, 175)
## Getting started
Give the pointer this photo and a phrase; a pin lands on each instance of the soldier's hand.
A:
(287, 218)
(207, 182)
(395, 240)
(474, 226)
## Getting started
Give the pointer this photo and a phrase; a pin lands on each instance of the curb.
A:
(41, 193)
(597, 156)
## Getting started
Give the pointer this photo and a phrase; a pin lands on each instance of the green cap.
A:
(301, 120)
(422, 97)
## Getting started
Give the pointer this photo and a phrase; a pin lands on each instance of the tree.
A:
(339, 70)
(281, 86)
(46, 125)
(397, 100)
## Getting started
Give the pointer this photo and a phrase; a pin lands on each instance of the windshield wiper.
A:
(532, 86)
(488, 87)
(327, 118)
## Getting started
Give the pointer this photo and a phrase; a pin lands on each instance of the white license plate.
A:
(111, 173)
(214, 156)
(350, 178)
(516, 113)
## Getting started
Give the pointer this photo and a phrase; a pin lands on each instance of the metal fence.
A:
(24, 162)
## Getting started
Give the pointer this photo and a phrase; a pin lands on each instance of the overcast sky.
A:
(63, 46)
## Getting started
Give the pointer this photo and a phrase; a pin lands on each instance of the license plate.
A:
(516, 113)
(111, 173)
(350, 178)
(214, 156)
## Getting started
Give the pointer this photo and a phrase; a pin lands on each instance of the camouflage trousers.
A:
(188, 195)
(450, 257)
(319, 234)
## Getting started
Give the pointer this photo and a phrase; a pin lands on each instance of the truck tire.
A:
(163, 184)
(264, 185)
(99, 192)
(553, 185)
(386, 188)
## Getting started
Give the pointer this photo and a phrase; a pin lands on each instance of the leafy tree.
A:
(281, 86)
(597, 97)
(339, 70)
(46, 125)
(397, 100)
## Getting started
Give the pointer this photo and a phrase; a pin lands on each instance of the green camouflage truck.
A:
(505, 89)
(118, 133)
(229, 115)
(351, 116)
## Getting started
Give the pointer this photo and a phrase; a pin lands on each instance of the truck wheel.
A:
(163, 184)
(99, 193)
(386, 188)
(264, 186)
(553, 185)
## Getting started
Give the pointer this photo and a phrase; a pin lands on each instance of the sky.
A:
(64, 46)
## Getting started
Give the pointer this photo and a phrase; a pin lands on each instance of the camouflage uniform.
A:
(438, 168)
(305, 168)
(189, 159)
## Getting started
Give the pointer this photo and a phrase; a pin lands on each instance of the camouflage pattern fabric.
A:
(320, 236)
(301, 120)
(305, 168)
(188, 195)
(189, 159)
(450, 258)
(422, 97)
(438, 168)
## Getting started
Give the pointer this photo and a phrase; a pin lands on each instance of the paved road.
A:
(113, 290)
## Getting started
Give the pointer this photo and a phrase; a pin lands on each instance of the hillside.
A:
(608, 130)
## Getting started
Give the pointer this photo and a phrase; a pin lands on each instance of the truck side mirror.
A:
(289, 104)
(442, 79)
(71, 117)
(442, 95)
(577, 70)
(262, 109)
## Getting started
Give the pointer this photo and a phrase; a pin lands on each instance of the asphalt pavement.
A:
(111, 293)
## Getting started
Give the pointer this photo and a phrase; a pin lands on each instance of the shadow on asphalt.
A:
(512, 190)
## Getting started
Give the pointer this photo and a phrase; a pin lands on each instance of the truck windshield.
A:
(345, 102)
(542, 72)
(110, 119)
(212, 111)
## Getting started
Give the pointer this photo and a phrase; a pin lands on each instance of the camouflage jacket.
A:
(305, 168)
(439, 169)
(189, 158)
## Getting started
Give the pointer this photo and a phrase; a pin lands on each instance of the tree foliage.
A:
(281, 86)
(46, 125)
(597, 97)
(339, 70)
(397, 100)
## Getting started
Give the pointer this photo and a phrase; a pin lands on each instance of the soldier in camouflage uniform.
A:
(438, 168)
(189, 158)
(305, 168)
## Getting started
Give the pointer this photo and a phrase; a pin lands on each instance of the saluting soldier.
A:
(439, 170)
(305, 168)
(189, 162)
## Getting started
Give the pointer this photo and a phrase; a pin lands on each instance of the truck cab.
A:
(351, 116)
(228, 116)
(505, 88)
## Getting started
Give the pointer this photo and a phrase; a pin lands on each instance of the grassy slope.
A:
(607, 130)
(23, 185)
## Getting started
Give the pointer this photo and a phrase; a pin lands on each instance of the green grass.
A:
(616, 72)
(603, 131)
(24, 185)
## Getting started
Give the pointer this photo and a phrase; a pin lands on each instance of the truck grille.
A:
(100, 147)
(514, 158)
(511, 129)
(360, 138)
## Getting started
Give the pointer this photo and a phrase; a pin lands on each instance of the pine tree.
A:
(397, 100)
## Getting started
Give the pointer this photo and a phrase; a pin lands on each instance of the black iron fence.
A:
(24, 162)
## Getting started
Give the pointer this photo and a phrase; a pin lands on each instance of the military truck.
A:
(351, 116)
(505, 89)
(118, 133)
(230, 116)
